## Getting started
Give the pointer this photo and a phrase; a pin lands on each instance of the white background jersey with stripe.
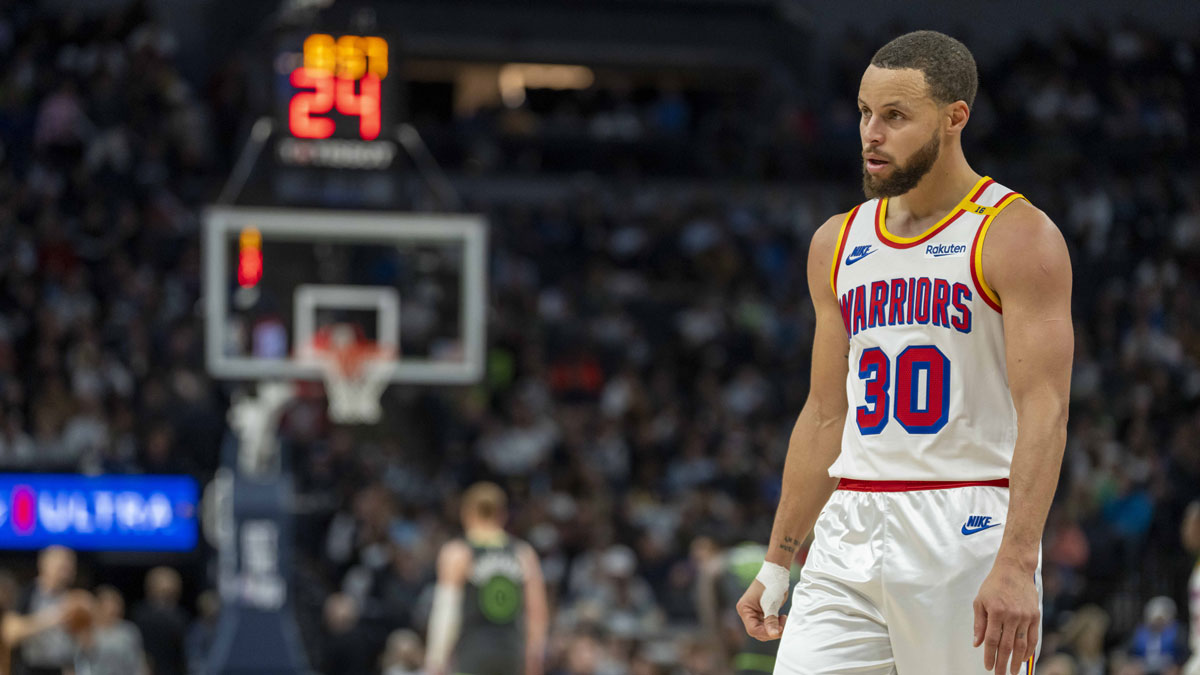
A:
(928, 386)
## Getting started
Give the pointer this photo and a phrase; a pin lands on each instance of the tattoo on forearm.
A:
(789, 544)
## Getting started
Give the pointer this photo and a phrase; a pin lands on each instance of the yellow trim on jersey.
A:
(978, 252)
(837, 250)
(965, 205)
(980, 209)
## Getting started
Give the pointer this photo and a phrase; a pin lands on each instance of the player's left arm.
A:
(1025, 261)
(537, 611)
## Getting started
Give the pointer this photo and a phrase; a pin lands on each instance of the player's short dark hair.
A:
(947, 64)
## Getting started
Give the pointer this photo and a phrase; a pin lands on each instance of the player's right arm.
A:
(445, 618)
(814, 444)
(537, 611)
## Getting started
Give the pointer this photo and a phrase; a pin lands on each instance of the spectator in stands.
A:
(36, 631)
(1059, 664)
(584, 654)
(10, 591)
(348, 648)
(1158, 644)
(201, 633)
(403, 654)
(113, 646)
(162, 623)
(622, 594)
(1083, 638)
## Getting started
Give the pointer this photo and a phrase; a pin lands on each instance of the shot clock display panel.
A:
(333, 86)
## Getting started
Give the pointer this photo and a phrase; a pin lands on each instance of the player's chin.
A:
(874, 185)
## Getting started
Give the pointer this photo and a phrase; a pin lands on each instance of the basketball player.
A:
(1191, 542)
(489, 612)
(926, 456)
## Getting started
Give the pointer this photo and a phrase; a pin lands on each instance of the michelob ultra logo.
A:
(112, 513)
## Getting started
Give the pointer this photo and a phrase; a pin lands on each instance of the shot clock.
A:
(333, 101)
(338, 82)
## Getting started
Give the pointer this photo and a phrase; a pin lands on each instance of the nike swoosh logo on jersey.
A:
(859, 253)
(973, 530)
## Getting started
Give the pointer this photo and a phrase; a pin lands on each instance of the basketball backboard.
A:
(412, 284)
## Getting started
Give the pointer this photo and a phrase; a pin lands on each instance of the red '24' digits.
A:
(338, 89)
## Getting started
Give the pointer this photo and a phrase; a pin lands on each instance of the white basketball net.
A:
(354, 398)
(355, 375)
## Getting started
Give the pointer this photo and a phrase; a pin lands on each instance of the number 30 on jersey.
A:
(921, 392)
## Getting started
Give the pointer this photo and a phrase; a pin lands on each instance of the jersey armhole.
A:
(843, 233)
(989, 295)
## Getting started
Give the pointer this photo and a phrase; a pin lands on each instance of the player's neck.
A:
(485, 533)
(938, 193)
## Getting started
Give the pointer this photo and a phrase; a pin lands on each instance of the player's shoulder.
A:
(832, 226)
(822, 250)
(1023, 244)
(454, 561)
(455, 550)
(1022, 219)
(523, 549)
(826, 236)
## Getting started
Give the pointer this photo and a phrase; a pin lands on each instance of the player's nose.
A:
(872, 134)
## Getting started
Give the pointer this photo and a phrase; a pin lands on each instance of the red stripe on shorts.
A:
(855, 485)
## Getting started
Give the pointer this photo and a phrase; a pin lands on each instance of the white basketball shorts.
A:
(890, 580)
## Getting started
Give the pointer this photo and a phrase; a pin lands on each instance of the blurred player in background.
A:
(1191, 542)
(489, 614)
(940, 374)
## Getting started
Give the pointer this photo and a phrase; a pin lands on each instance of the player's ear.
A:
(957, 114)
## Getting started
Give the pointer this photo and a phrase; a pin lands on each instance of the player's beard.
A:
(903, 178)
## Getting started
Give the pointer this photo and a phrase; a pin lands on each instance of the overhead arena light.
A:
(516, 78)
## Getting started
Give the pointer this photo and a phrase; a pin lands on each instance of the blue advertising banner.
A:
(98, 513)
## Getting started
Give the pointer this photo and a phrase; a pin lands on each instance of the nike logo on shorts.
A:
(978, 524)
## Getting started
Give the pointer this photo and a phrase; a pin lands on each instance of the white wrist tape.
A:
(775, 580)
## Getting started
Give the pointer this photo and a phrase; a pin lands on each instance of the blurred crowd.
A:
(649, 346)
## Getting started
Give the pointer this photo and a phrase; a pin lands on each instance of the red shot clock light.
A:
(343, 75)
(250, 258)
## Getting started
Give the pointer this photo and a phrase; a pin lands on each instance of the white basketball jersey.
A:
(928, 387)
